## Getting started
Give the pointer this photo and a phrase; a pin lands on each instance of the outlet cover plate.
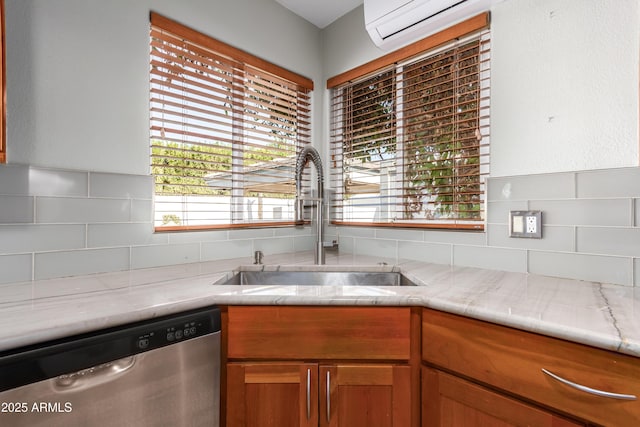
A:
(525, 224)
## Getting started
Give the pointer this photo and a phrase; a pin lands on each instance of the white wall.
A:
(564, 90)
(564, 85)
(77, 72)
(564, 82)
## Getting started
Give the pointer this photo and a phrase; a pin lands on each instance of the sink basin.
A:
(318, 278)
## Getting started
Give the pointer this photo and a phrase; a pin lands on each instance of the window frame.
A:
(260, 67)
(392, 62)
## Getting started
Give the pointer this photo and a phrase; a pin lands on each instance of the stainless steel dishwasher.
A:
(161, 372)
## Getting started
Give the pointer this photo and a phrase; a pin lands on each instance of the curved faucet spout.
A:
(310, 153)
(307, 153)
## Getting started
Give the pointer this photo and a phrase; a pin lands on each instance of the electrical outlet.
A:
(532, 225)
(527, 224)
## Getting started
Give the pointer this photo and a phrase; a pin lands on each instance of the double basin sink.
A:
(316, 278)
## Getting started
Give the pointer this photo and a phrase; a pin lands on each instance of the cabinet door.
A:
(512, 360)
(365, 395)
(451, 401)
(272, 394)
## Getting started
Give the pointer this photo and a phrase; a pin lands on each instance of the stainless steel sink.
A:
(318, 278)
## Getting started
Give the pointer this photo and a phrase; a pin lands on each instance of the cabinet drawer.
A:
(448, 400)
(513, 360)
(370, 333)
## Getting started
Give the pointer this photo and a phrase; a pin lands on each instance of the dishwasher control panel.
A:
(174, 331)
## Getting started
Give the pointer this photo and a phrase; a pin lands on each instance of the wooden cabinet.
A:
(322, 366)
(287, 332)
(272, 394)
(291, 394)
(511, 362)
(405, 367)
(365, 395)
(451, 401)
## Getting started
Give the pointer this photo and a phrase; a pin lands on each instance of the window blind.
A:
(410, 141)
(225, 129)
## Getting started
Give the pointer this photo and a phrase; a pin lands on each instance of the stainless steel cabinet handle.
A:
(589, 389)
(328, 396)
(308, 394)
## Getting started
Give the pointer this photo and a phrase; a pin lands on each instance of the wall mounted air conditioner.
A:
(393, 23)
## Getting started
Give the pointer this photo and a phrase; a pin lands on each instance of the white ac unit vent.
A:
(393, 23)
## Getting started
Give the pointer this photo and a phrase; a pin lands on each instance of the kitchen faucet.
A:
(310, 153)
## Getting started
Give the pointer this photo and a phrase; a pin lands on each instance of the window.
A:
(410, 139)
(225, 129)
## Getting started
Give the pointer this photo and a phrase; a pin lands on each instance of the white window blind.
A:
(225, 129)
(410, 141)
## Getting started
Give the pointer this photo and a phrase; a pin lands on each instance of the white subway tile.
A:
(141, 210)
(50, 182)
(28, 180)
(532, 187)
(554, 238)
(126, 234)
(16, 268)
(85, 211)
(50, 265)
(251, 233)
(376, 247)
(597, 268)
(492, 258)
(439, 253)
(39, 238)
(120, 186)
(607, 212)
(622, 182)
(196, 236)
(227, 249)
(623, 241)
(274, 245)
(161, 255)
(16, 209)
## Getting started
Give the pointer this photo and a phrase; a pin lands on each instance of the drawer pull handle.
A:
(328, 397)
(589, 389)
(308, 394)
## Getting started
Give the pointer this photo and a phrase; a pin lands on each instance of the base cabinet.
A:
(311, 394)
(365, 395)
(451, 401)
(598, 386)
(272, 394)
(408, 367)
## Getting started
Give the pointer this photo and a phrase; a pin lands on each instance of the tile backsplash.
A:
(59, 223)
(591, 229)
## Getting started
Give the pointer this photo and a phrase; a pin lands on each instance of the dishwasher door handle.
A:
(96, 375)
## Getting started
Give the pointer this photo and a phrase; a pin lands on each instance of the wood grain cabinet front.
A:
(365, 395)
(322, 366)
(288, 332)
(451, 401)
(272, 394)
(598, 386)
(291, 394)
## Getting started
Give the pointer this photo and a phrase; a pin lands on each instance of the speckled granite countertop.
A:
(601, 315)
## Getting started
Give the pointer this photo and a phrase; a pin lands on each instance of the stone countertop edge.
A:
(591, 313)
